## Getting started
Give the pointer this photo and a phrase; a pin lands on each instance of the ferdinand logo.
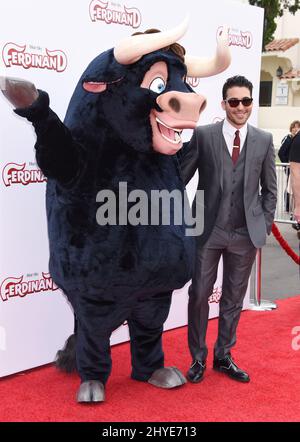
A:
(17, 174)
(193, 81)
(99, 10)
(217, 119)
(33, 57)
(12, 287)
(216, 295)
(238, 38)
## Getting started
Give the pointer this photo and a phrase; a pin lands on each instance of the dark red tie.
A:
(236, 147)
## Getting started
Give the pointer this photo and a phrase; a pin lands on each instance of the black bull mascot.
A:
(123, 127)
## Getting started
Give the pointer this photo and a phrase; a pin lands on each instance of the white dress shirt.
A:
(229, 135)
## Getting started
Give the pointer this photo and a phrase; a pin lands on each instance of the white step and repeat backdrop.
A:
(50, 44)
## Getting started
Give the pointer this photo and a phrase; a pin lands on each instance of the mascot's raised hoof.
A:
(167, 377)
(91, 391)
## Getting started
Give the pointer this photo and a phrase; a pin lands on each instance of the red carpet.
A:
(264, 349)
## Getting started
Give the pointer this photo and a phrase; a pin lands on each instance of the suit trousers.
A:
(238, 254)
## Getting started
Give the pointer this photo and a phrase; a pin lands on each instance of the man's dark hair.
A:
(237, 80)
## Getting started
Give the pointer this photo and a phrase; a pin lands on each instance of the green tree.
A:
(274, 9)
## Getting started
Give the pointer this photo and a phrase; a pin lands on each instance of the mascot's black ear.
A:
(104, 69)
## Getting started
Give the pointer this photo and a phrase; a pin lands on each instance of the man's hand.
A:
(20, 93)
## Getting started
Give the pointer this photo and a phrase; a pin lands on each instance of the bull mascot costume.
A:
(123, 126)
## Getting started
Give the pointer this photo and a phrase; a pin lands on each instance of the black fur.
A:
(65, 359)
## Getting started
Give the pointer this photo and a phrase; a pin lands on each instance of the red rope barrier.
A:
(285, 245)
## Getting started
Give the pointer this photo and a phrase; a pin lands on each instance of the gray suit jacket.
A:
(205, 153)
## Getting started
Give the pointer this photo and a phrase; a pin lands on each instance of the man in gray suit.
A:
(233, 159)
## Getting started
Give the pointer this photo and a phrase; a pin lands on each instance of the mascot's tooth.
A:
(177, 137)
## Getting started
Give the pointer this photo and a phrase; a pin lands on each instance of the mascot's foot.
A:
(91, 391)
(167, 377)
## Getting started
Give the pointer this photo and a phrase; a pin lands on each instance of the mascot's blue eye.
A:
(157, 85)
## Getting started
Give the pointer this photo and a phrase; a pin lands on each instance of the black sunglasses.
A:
(234, 102)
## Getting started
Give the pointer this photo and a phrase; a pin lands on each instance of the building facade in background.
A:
(280, 78)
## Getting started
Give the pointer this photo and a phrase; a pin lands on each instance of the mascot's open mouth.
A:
(169, 133)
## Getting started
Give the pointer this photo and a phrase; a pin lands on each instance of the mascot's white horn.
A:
(206, 67)
(131, 49)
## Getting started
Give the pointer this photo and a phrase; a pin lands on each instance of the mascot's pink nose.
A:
(183, 105)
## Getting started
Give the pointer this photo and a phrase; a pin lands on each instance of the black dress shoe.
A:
(196, 371)
(228, 367)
